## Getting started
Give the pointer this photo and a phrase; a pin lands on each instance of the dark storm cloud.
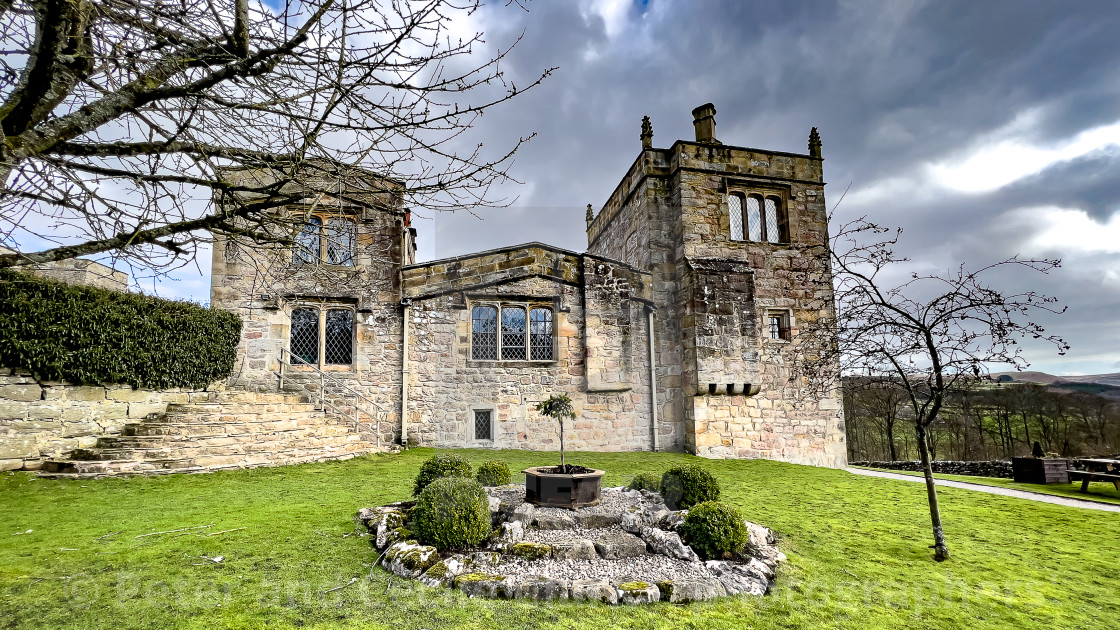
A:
(894, 87)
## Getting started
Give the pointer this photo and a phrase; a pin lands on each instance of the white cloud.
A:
(1065, 229)
(1007, 155)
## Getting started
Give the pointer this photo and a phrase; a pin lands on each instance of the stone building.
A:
(673, 331)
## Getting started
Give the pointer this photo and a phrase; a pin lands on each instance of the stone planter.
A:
(1032, 470)
(565, 491)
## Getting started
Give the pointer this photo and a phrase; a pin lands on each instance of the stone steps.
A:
(215, 431)
(106, 468)
(162, 428)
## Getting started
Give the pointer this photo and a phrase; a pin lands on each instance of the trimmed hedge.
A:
(685, 485)
(87, 335)
(452, 513)
(714, 529)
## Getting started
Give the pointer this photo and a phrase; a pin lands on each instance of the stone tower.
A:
(724, 230)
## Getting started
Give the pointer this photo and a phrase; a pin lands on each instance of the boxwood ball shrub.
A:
(493, 473)
(452, 513)
(440, 466)
(713, 529)
(645, 481)
(686, 485)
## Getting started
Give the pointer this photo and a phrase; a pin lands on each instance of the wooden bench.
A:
(1086, 476)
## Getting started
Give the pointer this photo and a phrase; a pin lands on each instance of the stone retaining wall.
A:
(42, 419)
(995, 468)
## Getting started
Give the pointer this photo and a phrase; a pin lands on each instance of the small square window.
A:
(483, 424)
(777, 324)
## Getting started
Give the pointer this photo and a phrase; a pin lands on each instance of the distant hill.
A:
(1106, 385)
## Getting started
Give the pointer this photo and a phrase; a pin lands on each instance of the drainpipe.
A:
(407, 304)
(652, 380)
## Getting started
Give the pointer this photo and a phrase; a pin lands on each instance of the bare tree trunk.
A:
(890, 441)
(941, 551)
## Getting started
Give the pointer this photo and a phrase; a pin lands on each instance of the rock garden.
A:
(664, 537)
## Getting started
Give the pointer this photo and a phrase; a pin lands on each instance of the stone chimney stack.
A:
(704, 119)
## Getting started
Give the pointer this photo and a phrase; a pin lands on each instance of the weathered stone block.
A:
(542, 588)
(593, 590)
(620, 545)
(486, 585)
(24, 392)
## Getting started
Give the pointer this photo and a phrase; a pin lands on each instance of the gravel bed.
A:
(553, 536)
(611, 500)
(652, 569)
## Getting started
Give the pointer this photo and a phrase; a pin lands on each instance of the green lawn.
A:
(70, 556)
(1098, 490)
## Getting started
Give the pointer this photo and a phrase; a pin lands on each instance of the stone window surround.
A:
(787, 327)
(472, 436)
(744, 190)
(324, 217)
(323, 307)
(500, 303)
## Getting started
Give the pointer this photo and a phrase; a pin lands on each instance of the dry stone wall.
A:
(43, 419)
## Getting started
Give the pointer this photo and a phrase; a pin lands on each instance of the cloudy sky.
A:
(984, 129)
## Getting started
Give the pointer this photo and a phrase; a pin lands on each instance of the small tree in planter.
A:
(558, 407)
(563, 485)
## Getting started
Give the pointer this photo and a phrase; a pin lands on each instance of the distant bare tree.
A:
(121, 117)
(924, 333)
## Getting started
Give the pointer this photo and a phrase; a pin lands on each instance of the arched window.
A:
(735, 205)
(484, 332)
(513, 333)
(757, 217)
(304, 338)
(754, 218)
(540, 334)
(331, 242)
(308, 242)
(322, 336)
(338, 342)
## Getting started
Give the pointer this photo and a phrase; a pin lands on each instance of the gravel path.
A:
(1007, 492)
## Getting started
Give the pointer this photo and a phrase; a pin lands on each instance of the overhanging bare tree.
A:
(120, 117)
(927, 333)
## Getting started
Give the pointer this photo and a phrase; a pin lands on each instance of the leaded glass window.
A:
(773, 233)
(304, 340)
(308, 242)
(338, 346)
(735, 205)
(754, 218)
(340, 242)
(483, 424)
(484, 332)
(513, 333)
(540, 334)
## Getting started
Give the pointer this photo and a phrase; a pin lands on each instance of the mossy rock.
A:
(633, 586)
(410, 560)
(530, 551)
